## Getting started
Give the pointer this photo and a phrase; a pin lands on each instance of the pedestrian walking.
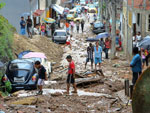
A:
(67, 26)
(102, 44)
(22, 25)
(68, 41)
(95, 18)
(98, 55)
(71, 75)
(43, 28)
(77, 25)
(107, 47)
(29, 27)
(88, 17)
(146, 56)
(82, 25)
(72, 26)
(143, 57)
(42, 76)
(136, 65)
(90, 50)
(134, 41)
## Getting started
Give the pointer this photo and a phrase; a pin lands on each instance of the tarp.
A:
(23, 53)
(57, 8)
(35, 55)
(38, 13)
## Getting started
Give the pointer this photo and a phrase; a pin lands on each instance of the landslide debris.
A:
(38, 44)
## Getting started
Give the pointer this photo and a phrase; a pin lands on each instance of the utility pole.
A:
(100, 10)
(113, 30)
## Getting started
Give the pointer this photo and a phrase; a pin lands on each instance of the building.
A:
(135, 18)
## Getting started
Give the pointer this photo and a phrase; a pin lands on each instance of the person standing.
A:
(146, 56)
(43, 28)
(29, 27)
(67, 26)
(71, 75)
(77, 25)
(82, 25)
(88, 17)
(42, 76)
(98, 55)
(72, 26)
(136, 65)
(22, 25)
(107, 47)
(90, 51)
(102, 44)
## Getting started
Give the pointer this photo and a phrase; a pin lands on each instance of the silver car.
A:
(60, 36)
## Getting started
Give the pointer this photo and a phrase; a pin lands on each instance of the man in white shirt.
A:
(139, 37)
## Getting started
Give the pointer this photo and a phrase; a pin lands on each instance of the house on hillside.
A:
(135, 18)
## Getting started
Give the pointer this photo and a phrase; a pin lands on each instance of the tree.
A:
(2, 4)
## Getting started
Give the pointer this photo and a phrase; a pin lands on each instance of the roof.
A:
(38, 13)
(139, 4)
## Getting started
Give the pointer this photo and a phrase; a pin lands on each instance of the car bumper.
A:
(59, 41)
(98, 31)
(24, 86)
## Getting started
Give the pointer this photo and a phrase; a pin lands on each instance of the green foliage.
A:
(2, 4)
(6, 39)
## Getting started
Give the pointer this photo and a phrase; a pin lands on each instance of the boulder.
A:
(141, 93)
(27, 101)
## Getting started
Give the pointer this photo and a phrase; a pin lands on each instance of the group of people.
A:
(26, 24)
(72, 25)
(44, 29)
(94, 53)
(43, 76)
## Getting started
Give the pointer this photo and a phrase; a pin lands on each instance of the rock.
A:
(20, 112)
(15, 94)
(56, 94)
(28, 101)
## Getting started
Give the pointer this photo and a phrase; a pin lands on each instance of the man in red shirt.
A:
(71, 75)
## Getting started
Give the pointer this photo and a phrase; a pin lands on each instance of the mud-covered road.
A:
(105, 96)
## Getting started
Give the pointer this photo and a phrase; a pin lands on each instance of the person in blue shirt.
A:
(98, 55)
(22, 25)
(136, 65)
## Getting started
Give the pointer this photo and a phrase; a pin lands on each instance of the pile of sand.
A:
(38, 44)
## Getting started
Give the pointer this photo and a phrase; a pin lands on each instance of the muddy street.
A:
(96, 93)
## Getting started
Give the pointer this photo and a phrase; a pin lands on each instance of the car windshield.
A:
(60, 34)
(36, 59)
(98, 25)
(71, 12)
(15, 66)
(91, 6)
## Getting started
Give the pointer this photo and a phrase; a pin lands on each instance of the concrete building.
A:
(135, 17)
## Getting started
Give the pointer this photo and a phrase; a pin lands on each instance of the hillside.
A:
(6, 40)
(38, 44)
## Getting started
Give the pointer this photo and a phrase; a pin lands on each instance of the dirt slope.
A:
(38, 44)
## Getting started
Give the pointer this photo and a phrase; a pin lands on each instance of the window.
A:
(138, 19)
(149, 22)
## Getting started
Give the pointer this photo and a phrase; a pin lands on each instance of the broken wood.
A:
(87, 82)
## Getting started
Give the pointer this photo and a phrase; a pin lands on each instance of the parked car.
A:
(98, 27)
(60, 36)
(22, 75)
(37, 56)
